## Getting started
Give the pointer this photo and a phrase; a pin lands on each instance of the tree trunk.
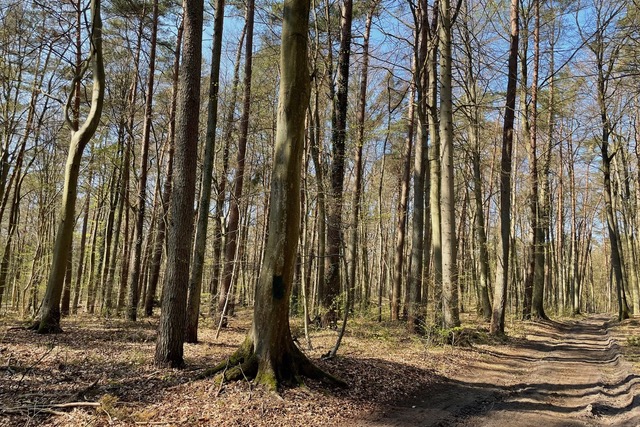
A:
(360, 123)
(484, 279)
(50, 317)
(83, 241)
(502, 267)
(338, 141)
(221, 186)
(233, 228)
(537, 299)
(136, 255)
(269, 354)
(171, 331)
(451, 317)
(154, 274)
(414, 285)
(195, 279)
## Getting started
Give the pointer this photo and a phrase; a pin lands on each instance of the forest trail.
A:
(560, 374)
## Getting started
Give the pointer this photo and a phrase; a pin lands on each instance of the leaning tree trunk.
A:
(169, 345)
(50, 318)
(269, 354)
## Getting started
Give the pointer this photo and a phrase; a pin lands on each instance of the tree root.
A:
(45, 328)
(288, 370)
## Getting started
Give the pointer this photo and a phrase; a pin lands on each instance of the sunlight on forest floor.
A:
(100, 372)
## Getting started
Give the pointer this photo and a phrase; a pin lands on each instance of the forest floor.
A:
(99, 372)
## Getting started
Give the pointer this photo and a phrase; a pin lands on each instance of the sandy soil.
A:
(558, 374)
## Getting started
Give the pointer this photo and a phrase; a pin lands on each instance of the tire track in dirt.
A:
(560, 374)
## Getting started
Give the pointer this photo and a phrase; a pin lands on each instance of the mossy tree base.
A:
(285, 369)
(46, 327)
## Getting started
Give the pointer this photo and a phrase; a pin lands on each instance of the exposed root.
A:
(40, 327)
(246, 365)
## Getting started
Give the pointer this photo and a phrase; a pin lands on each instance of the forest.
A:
(412, 212)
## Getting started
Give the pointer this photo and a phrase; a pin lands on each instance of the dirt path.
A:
(560, 374)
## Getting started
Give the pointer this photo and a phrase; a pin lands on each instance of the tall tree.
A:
(504, 242)
(420, 166)
(338, 141)
(233, 226)
(169, 345)
(161, 230)
(269, 354)
(49, 321)
(537, 300)
(138, 233)
(195, 279)
(450, 302)
(360, 140)
(606, 53)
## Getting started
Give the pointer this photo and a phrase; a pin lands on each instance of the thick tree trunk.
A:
(415, 314)
(451, 317)
(269, 354)
(171, 331)
(195, 279)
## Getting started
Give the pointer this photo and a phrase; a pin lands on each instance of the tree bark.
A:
(450, 308)
(171, 331)
(233, 228)
(161, 230)
(502, 267)
(195, 279)
(50, 318)
(338, 142)
(269, 354)
(136, 254)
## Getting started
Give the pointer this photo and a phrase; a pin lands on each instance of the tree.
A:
(504, 242)
(450, 307)
(269, 354)
(606, 53)
(195, 279)
(80, 136)
(136, 254)
(538, 261)
(169, 345)
(233, 226)
(338, 140)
